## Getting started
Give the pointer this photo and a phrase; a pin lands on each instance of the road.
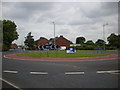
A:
(60, 74)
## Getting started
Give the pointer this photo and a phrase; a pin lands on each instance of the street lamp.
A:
(54, 35)
(104, 34)
(54, 31)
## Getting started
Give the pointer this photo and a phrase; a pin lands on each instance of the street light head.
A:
(53, 22)
(106, 23)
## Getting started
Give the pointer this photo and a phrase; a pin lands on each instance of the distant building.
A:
(59, 41)
(41, 41)
(14, 46)
(62, 42)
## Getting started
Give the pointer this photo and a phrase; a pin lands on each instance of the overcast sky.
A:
(72, 19)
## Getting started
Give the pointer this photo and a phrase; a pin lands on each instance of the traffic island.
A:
(52, 56)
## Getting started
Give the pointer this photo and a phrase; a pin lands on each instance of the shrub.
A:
(5, 47)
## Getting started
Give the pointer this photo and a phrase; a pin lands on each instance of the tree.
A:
(9, 34)
(113, 40)
(90, 42)
(71, 42)
(100, 42)
(1, 35)
(29, 41)
(119, 41)
(80, 40)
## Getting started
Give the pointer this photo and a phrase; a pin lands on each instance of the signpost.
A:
(47, 47)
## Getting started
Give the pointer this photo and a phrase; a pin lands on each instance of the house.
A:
(62, 42)
(14, 46)
(58, 41)
(42, 41)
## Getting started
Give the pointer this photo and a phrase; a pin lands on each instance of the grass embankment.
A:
(62, 55)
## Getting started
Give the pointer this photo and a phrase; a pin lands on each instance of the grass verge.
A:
(62, 55)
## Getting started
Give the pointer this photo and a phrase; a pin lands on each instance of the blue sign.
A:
(70, 50)
(47, 47)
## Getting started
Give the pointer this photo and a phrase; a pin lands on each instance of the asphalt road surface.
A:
(23, 74)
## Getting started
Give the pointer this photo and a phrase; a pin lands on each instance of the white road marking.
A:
(7, 71)
(112, 71)
(115, 73)
(10, 84)
(74, 73)
(5, 56)
(42, 73)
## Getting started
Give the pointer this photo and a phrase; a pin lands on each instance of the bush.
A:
(90, 47)
(84, 47)
(110, 48)
(5, 47)
(0, 47)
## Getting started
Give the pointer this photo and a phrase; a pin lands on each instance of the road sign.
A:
(47, 46)
(70, 50)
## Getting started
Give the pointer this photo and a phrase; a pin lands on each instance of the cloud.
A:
(71, 19)
(24, 10)
(97, 10)
(64, 31)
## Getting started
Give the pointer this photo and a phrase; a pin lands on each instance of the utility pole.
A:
(104, 34)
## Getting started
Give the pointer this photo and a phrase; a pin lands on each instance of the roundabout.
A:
(27, 56)
(51, 72)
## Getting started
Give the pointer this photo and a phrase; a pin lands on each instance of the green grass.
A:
(62, 55)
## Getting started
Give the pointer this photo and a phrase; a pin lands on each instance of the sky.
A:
(72, 19)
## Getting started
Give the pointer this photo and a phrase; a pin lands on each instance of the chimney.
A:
(61, 35)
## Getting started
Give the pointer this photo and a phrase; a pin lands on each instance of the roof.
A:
(63, 38)
(41, 38)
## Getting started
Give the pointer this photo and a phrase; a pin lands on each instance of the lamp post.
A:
(54, 36)
(54, 31)
(104, 34)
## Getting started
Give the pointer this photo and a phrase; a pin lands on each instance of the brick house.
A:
(41, 41)
(59, 41)
(62, 41)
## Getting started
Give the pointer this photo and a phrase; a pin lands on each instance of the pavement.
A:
(22, 74)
